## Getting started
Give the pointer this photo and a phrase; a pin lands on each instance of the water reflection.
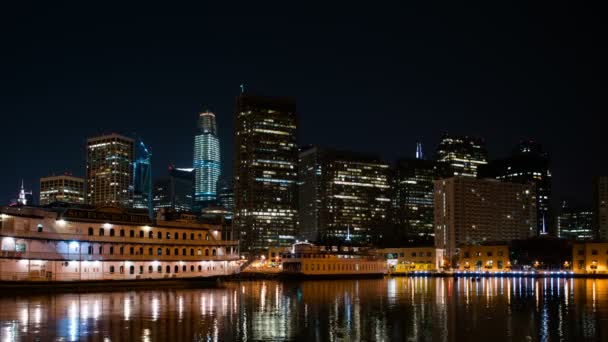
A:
(409, 309)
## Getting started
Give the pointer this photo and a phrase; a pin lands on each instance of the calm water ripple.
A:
(391, 309)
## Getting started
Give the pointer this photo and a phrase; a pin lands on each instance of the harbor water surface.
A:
(389, 309)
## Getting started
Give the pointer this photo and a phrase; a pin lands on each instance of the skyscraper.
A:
(62, 188)
(473, 211)
(414, 193)
(206, 160)
(266, 159)
(176, 191)
(600, 207)
(109, 173)
(463, 154)
(142, 179)
(343, 196)
(528, 164)
(225, 194)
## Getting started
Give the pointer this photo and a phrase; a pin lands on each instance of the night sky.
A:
(373, 78)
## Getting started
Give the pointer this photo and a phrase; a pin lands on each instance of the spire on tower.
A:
(22, 200)
(419, 154)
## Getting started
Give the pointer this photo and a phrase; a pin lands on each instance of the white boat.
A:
(308, 260)
(109, 244)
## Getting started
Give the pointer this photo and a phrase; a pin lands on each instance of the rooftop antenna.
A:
(242, 88)
(419, 154)
(347, 233)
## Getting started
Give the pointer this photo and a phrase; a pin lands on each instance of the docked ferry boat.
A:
(308, 260)
(107, 244)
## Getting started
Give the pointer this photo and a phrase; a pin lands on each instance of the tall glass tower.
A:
(206, 159)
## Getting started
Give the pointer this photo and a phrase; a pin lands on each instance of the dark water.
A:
(397, 309)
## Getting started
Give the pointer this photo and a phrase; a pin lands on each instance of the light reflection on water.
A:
(396, 309)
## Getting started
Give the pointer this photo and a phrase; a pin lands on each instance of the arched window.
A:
(200, 236)
(168, 269)
(122, 250)
(184, 268)
(192, 236)
(111, 249)
(176, 250)
(111, 269)
(176, 269)
(176, 235)
(112, 232)
(159, 235)
(191, 268)
(168, 251)
(141, 251)
(191, 251)
(141, 233)
(122, 232)
(121, 269)
(100, 249)
(150, 269)
(207, 237)
(131, 250)
(39, 228)
(159, 251)
(90, 230)
(131, 233)
(214, 252)
(101, 232)
(199, 252)
(150, 251)
(184, 252)
(159, 269)
(132, 269)
(151, 235)
(184, 236)
(90, 251)
(200, 268)
(168, 235)
(206, 252)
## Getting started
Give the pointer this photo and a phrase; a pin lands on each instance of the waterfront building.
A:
(343, 196)
(176, 191)
(109, 173)
(413, 259)
(63, 188)
(484, 258)
(575, 223)
(528, 164)
(590, 258)
(265, 171)
(463, 154)
(414, 194)
(600, 207)
(206, 160)
(109, 244)
(471, 211)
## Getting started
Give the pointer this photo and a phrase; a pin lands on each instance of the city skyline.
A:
(416, 95)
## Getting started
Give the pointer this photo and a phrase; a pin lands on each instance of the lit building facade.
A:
(266, 173)
(225, 194)
(344, 196)
(600, 207)
(471, 211)
(528, 164)
(142, 179)
(109, 244)
(484, 258)
(463, 154)
(63, 188)
(176, 191)
(575, 223)
(413, 259)
(590, 258)
(109, 173)
(414, 197)
(206, 159)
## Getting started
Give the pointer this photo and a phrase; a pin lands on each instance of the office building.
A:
(575, 223)
(63, 188)
(206, 160)
(175, 191)
(343, 196)
(414, 193)
(473, 211)
(463, 154)
(225, 194)
(265, 171)
(142, 179)
(600, 207)
(528, 164)
(109, 173)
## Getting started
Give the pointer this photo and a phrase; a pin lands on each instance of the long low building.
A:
(590, 258)
(85, 244)
(413, 259)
